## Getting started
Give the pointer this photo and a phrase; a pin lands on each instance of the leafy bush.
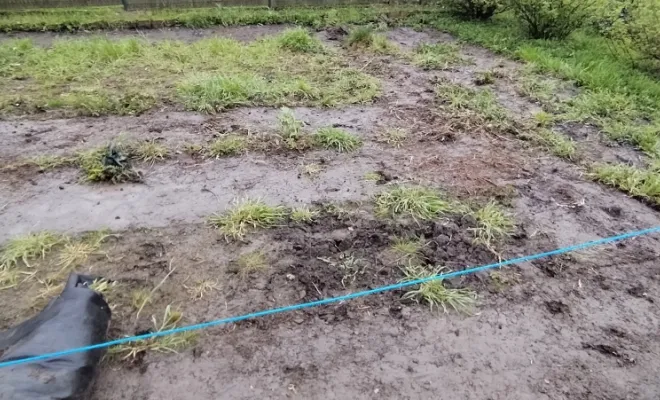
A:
(552, 19)
(474, 9)
(634, 24)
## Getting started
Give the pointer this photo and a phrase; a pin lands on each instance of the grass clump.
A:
(417, 202)
(365, 37)
(251, 262)
(29, 247)
(107, 164)
(337, 139)
(163, 344)
(201, 288)
(408, 250)
(140, 298)
(482, 10)
(435, 293)
(303, 215)
(394, 136)
(557, 144)
(635, 181)
(149, 151)
(290, 129)
(373, 176)
(493, 224)
(245, 215)
(75, 253)
(312, 170)
(437, 56)
(480, 102)
(543, 119)
(227, 145)
(299, 40)
(103, 286)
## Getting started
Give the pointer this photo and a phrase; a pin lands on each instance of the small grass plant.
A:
(643, 183)
(303, 215)
(408, 250)
(250, 263)
(417, 202)
(246, 215)
(23, 249)
(227, 145)
(493, 224)
(435, 293)
(337, 139)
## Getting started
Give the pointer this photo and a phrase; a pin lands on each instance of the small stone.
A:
(117, 217)
(290, 277)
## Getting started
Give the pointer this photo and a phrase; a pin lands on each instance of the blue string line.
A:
(316, 303)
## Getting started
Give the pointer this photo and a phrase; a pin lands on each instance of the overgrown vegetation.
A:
(115, 18)
(245, 215)
(100, 76)
(337, 139)
(474, 9)
(552, 19)
(435, 293)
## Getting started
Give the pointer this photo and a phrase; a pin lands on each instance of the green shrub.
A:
(474, 9)
(634, 24)
(552, 19)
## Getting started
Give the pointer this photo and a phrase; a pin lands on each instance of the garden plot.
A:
(401, 154)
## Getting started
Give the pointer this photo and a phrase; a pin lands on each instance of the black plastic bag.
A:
(77, 317)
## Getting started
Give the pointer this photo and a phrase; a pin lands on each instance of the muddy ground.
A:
(583, 326)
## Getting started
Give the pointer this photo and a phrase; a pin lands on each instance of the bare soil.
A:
(581, 326)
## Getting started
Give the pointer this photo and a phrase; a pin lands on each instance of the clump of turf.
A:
(417, 202)
(408, 250)
(303, 215)
(493, 224)
(337, 139)
(163, 344)
(299, 40)
(435, 293)
(29, 247)
(437, 56)
(149, 151)
(108, 164)
(251, 262)
(228, 145)
(365, 37)
(245, 215)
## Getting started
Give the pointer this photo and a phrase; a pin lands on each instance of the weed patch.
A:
(437, 56)
(435, 293)
(149, 151)
(365, 37)
(337, 139)
(251, 262)
(245, 215)
(493, 224)
(417, 202)
(481, 103)
(303, 215)
(227, 145)
(107, 164)
(299, 40)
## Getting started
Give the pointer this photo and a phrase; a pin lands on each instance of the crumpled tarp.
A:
(78, 317)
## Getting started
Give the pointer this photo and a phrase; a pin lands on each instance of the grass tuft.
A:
(408, 250)
(251, 262)
(245, 215)
(107, 164)
(303, 215)
(337, 139)
(493, 224)
(201, 288)
(299, 40)
(227, 145)
(418, 202)
(47, 162)
(29, 247)
(481, 102)
(437, 56)
(162, 344)
(76, 253)
(635, 181)
(365, 37)
(149, 151)
(557, 144)
(435, 293)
